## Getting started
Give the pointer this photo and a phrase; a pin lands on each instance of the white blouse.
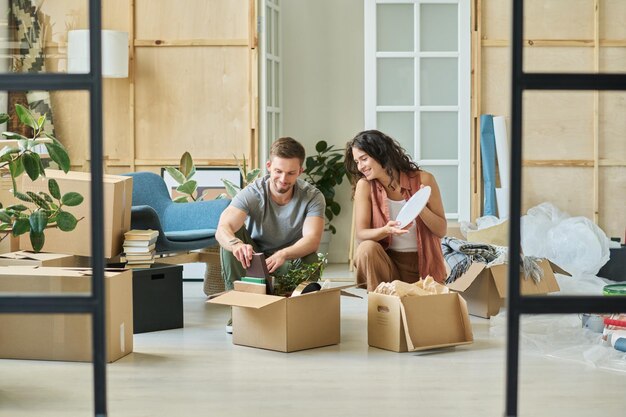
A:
(406, 242)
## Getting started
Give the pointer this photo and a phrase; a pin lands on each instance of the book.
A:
(249, 287)
(149, 261)
(136, 234)
(139, 242)
(137, 257)
(253, 280)
(139, 249)
(138, 266)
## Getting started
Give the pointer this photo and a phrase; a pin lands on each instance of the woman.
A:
(386, 178)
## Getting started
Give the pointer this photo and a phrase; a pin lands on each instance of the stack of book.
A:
(139, 248)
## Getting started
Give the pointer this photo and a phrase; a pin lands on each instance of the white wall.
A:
(322, 52)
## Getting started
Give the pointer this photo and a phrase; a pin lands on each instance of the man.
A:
(282, 214)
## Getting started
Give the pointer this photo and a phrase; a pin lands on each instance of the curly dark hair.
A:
(384, 149)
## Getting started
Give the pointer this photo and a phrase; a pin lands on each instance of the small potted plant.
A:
(325, 171)
(43, 210)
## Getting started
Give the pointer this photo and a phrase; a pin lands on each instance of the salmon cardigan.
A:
(429, 251)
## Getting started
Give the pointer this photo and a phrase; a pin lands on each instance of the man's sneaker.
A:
(229, 326)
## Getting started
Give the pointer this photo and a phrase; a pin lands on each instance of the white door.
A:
(417, 87)
(270, 76)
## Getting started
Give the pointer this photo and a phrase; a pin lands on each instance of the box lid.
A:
(500, 274)
(246, 299)
(463, 282)
(41, 256)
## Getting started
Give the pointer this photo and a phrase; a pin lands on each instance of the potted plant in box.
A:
(44, 210)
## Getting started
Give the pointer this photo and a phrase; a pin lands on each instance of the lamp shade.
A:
(114, 53)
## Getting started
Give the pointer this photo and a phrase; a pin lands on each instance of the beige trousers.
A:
(375, 265)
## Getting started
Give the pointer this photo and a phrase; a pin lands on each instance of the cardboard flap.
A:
(500, 274)
(463, 282)
(245, 299)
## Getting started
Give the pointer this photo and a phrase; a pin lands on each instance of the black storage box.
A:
(158, 298)
(615, 268)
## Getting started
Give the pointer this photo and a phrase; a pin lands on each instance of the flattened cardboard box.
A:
(485, 289)
(118, 192)
(28, 258)
(417, 322)
(284, 324)
(66, 337)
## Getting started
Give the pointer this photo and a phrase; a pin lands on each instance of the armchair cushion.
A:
(187, 235)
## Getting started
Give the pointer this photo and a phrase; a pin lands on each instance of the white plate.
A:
(413, 207)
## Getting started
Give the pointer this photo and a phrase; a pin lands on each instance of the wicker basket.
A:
(213, 281)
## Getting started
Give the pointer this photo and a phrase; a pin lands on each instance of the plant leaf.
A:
(59, 155)
(53, 187)
(41, 203)
(5, 217)
(66, 221)
(321, 146)
(12, 135)
(25, 116)
(18, 207)
(37, 240)
(176, 174)
(22, 196)
(46, 196)
(252, 175)
(4, 118)
(181, 199)
(188, 187)
(186, 166)
(31, 164)
(231, 188)
(41, 121)
(16, 167)
(71, 199)
(21, 226)
(38, 221)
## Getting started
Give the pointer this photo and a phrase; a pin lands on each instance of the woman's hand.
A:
(393, 228)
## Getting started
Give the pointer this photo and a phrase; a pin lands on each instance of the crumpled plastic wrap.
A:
(561, 336)
(575, 244)
(427, 286)
(480, 224)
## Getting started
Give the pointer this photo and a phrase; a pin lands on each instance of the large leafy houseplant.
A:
(325, 171)
(44, 210)
(187, 187)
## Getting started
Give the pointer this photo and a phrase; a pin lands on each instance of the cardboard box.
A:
(157, 298)
(485, 289)
(66, 337)
(417, 322)
(117, 206)
(26, 258)
(284, 324)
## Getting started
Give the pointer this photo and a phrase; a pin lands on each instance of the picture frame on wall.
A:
(209, 180)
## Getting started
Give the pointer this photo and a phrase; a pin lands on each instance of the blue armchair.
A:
(182, 226)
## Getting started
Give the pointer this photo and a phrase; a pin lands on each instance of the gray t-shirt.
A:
(273, 226)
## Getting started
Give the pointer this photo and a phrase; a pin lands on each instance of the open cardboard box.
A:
(416, 323)
(118, 191)
(28, 258)
(66, 337)
(485, 289)
(284, 324)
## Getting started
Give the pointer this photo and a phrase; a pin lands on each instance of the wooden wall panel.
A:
(567, 188)
(194, 99)
(71, 123)
(562, 128)
(613, 201)
(558, 125)
(613, 125)
(191, 19)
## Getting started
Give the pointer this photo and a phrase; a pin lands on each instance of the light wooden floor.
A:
(197, 371)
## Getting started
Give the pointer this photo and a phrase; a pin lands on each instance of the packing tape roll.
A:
(306, 287)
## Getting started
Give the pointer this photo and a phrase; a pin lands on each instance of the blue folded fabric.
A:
(488, 157)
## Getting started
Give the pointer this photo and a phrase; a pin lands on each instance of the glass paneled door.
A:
(270, 77)
(417, 87)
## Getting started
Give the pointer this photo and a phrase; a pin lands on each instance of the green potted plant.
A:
(325, 171)
(44, 210)
(183, 175)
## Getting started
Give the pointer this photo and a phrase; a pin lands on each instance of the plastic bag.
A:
(578, 245)
(535, 226)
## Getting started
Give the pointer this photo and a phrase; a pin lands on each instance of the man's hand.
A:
(243, 253)
(275, 261)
